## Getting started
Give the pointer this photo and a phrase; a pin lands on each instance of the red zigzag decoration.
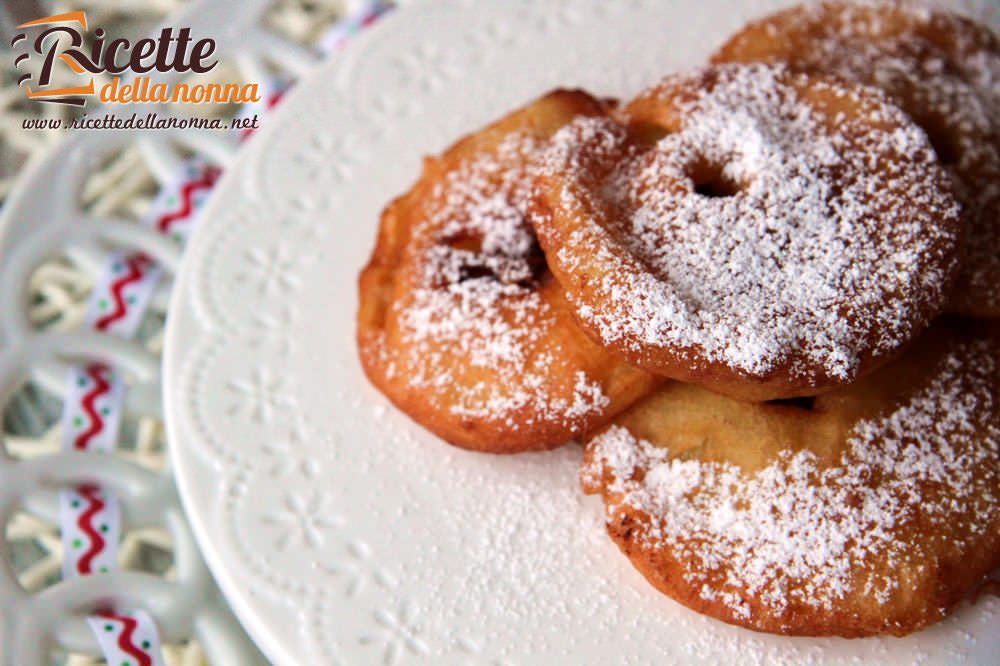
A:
(125, 639)
(164, 223)
(136, 264)
(84, 522)
(101, 387)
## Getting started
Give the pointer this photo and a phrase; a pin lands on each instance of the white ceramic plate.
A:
(340, 531)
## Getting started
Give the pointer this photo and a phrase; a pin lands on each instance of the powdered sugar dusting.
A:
(930, 60)
(475, 327)
(836, 246)
(797, 532)
(942, 70)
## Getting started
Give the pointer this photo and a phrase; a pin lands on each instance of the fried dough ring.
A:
(763, 233)
(875, 510)
(942, 69)
(461, 325)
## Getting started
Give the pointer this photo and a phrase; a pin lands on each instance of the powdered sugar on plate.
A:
(753, 236)
(798, 532)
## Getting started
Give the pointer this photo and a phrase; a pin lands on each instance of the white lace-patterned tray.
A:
(340, 531)
(78, 201)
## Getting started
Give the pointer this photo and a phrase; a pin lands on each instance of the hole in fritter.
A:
(711, 181)
(464, 241)
(475, 272)
(942, 140)
(806, 404)
(523, 270)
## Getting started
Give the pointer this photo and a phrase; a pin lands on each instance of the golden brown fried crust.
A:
(591, 242)
(921, 435)
(941, 69)
(460, 324)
